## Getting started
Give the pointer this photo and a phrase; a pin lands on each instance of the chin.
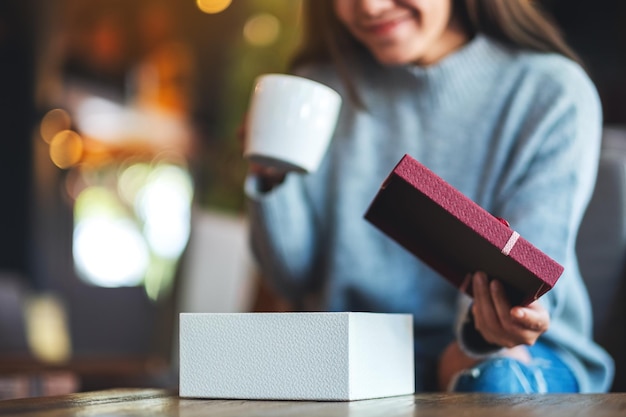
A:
(395, 56)
(393, 60)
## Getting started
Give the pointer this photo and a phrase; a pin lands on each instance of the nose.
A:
(371, 8)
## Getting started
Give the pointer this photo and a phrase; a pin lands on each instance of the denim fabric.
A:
(545, 373)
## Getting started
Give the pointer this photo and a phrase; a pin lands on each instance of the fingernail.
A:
(519, 313)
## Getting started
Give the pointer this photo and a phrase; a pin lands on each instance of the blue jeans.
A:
(545, 373)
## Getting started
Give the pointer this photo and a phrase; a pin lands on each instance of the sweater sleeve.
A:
(283, 235)
(470, 340)
(547, 183)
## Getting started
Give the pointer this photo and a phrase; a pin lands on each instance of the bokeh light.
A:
(213, 6)
(164, 205)
(66, 149)
(131, 180)
(261, 29)
(108, 247)
(110, 252)
(53, 122)
(133, 228)
(46, 329)
(103, 119)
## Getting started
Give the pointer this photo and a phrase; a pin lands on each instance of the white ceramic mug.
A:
(290, 123)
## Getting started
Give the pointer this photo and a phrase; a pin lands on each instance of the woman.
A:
(488, 96)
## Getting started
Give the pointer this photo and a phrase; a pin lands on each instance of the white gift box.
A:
(296, 356)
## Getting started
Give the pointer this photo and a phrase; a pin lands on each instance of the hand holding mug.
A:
(269, 176)
(289, 126)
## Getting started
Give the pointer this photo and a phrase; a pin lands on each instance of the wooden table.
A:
(155, 402)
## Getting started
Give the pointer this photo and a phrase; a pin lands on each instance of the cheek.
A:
(439, 12)
(344, 10)
(431, 13)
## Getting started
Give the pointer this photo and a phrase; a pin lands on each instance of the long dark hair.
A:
(518, 23)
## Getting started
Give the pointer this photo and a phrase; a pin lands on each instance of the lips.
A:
(383, 28)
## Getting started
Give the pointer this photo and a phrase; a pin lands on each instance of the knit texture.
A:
(517, 132)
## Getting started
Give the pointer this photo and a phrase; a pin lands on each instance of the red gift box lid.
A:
(455, 236)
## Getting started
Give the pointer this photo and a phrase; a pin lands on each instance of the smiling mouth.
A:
(384, 27)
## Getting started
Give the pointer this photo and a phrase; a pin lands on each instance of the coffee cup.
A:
(290, 122)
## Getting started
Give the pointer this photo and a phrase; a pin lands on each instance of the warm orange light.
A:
(54, 122)
(66, 149)
(213, 6)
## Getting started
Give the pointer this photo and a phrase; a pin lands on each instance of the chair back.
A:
(601, 250)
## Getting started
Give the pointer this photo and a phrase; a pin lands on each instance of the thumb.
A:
(531, 318)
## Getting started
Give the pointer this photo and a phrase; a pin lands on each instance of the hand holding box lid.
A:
(455, 236)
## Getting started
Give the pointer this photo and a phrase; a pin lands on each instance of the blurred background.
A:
(121, 174)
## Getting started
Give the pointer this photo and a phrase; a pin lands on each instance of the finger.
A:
(509, 335)
(482, 300)
(476, 309)
(520, 325)
(265, 171)
(485, 316)
(536, 320)
(501, 303)
(520, 336)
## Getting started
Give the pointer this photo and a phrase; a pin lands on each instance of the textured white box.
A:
(296, 356)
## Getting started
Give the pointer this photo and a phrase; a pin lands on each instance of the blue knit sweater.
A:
(518, 132)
